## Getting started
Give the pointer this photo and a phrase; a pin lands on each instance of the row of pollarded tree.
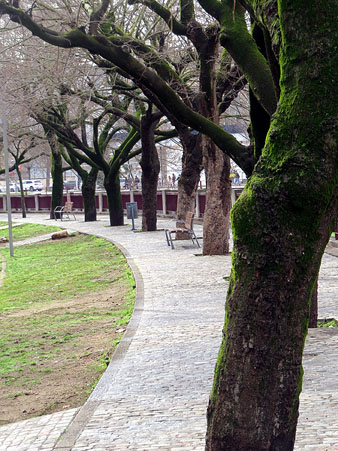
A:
(285, 216)
(209, 90)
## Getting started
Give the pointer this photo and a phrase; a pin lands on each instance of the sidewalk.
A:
(166, 360)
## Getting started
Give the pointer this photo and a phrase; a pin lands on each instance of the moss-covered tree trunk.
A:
(281, 225)
(88, 188)
(114, 198)
(88, 194)
(150, 165)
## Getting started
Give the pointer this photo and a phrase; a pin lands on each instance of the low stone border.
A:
(68, 438)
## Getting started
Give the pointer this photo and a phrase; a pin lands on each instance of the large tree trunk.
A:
(48, 168)
(191, 170)
(217, 166)
(88, 195)
(57, 173)
(150, 165)
(22, 194)
(218, 201)
(56, 170)
(281, 225)
(112, 187)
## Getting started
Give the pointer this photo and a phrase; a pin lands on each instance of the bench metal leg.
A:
(198, 244)
(171, 239)
(166, 235)
(194, 237)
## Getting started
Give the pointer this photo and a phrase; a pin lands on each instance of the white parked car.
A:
(32, 185)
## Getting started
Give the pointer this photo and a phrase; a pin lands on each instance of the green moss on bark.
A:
(234, 36)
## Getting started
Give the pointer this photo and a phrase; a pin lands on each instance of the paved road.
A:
(165, 362)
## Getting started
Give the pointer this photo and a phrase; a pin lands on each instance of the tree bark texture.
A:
(216, 219)
(150, 165)
(57, 172)
(191, 170)
(216, 164)
(313, 319)
(22, 194)
(88, 194)
(281, 225)
(114, 198)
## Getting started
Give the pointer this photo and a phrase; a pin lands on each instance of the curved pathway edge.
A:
(68, 438)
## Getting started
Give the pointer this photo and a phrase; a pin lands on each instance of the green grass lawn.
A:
(57, 269)
(24, 231)
(63, 306)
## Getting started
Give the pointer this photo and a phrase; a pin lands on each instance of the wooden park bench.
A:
(187, 227)
(64, 212)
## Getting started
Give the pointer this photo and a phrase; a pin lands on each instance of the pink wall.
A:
(41, 202)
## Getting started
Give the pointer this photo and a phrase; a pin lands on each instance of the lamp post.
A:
(8, 194)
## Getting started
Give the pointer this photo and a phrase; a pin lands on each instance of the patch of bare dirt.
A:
(67, 359)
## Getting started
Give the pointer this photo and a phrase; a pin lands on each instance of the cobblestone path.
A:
(166, 360)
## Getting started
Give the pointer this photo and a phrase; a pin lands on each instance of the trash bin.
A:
(132, 210)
